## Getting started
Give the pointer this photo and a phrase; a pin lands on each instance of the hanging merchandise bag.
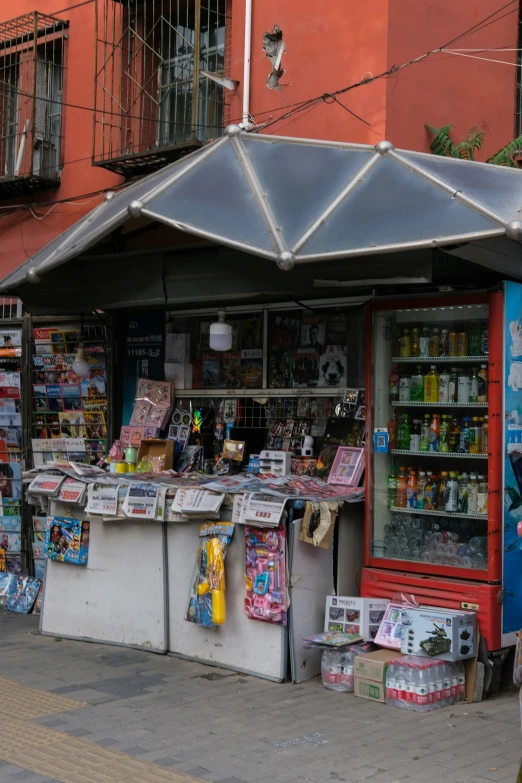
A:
(207, 597)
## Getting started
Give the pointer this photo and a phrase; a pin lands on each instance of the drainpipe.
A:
(246, 65)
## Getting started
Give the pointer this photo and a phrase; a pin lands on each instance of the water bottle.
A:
(454, 683)
(411, 684)
(438, 676)
(430, 676)
(446, 692)
(421, 689)
(391, 683)
(400, 679)
(461, 680)
(347, 676)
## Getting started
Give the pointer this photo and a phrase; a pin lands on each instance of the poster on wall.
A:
(512, 592)
(144, 355)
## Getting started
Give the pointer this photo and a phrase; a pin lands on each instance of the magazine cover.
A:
(230, 373)
(251, 333)
(325, 461)
(68, 541)
(251, 370)
(305, 371)
(71, 425)
(337, 327)
(313, 332)
(285, 331)
(333, 367)
(210, 371)
(280, 369)
(10, 542)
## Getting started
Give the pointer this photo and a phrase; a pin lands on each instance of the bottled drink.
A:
(438, 676)
(474, 436)
(431, 385)
(473, 494)
(453, 344)
(454, 436)
(402, 488)
(410, 685)
(424, 342)
(434, 433)
(444, 343)
(347, 673)
(403, 433)
(415, 345)
(482, 496)
(482, 395)
(415, 435)
(464, 387)
(391, 683)
(461, 678)
(452, 386)
(484, 436)
(425, 433)
(430, 676)
(464, 435)
(393, 384)
(434, 342)
(392, 486)
(405, 349)
(421, 489)
(392, 432)
(474, 385)
(401, 683)
(451, 493)
(485, 339)
(462, 503)
(411, 490)
(444, 381)
(417, 386)
(462, 345)
(454, 683)
(422, 688)
(442, 491)
(429, 504)
(404, 387)
(444, 433)
(446, 686)
(475, 339)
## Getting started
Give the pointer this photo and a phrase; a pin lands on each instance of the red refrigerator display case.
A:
(432, 536)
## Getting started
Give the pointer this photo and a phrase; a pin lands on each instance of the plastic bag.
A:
(207, 598)
(337, 667)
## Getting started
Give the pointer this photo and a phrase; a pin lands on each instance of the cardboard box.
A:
(372, 666)
(177, 348)
(351, 614)
(369, 689)
(157, 447)
(179, 374)
(439, 633)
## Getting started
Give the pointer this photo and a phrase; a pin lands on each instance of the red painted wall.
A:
(21, 234)
(329, 45)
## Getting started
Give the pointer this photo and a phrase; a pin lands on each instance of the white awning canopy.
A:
(299, 201)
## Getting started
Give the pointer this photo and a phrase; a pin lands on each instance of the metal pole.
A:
(195, 75)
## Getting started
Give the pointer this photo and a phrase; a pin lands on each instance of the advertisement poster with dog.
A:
(332, 367)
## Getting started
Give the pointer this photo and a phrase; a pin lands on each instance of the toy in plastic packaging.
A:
(265, 578)
(207, 605)
(390, 629)
(22, 594)
(337, 667)
(68, 541)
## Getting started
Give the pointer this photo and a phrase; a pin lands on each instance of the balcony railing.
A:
(31, 94)
(152, 102)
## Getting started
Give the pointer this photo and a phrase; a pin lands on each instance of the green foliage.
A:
(442, 144)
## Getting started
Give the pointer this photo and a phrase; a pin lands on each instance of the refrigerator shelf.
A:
(418, 404)
(437, 359)
(438, 513)
(438, 454)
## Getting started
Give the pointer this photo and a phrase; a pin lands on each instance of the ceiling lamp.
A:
(220, 337)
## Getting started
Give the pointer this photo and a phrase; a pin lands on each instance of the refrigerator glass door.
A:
(429, 503)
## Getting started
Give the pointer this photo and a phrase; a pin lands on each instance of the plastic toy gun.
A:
(215, 581)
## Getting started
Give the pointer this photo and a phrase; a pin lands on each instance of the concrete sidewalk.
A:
(100, 714)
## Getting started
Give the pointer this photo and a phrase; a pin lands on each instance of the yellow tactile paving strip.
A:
(55, 754)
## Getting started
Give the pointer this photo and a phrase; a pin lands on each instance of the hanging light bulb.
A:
(220, 337)
(80, 365)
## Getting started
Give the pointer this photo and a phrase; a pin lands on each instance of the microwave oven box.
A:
(351, 614)
(439, 633)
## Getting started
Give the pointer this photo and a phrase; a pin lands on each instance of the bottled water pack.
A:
(421, 684)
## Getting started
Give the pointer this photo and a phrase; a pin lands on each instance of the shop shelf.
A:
(438, 454)
(416, 404)
(436, 359)
(438, 513)
(320, 392)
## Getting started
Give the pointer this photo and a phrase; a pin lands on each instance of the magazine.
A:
(229, 376)
(313, 332)
(305, 371)
(285, 331)
(210, 371)
(333, 367)
(280, 369)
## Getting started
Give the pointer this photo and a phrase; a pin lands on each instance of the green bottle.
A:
(425, 433)
(417, 386)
